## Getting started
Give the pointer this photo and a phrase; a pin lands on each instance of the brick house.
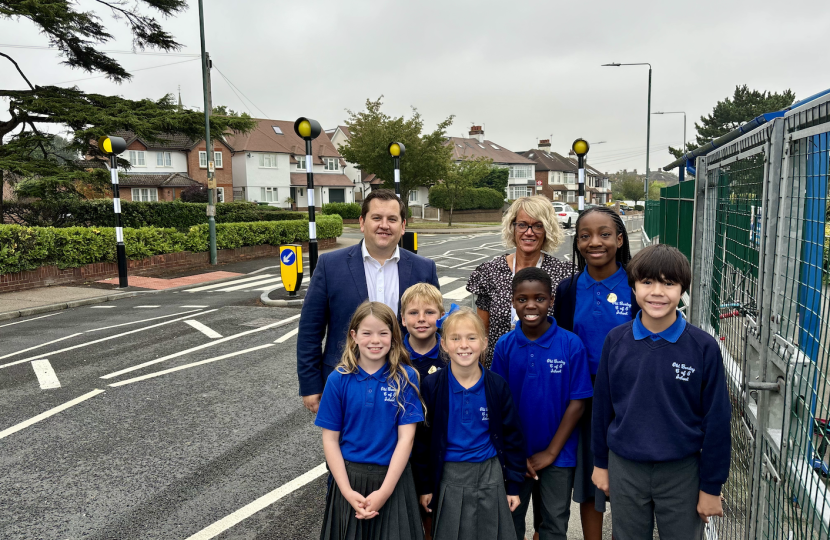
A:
(557, 176)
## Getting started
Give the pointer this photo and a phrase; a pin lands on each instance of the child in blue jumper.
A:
(469, 453)
(661, 437)
(547, 370)
(590, 304)
(421, 307)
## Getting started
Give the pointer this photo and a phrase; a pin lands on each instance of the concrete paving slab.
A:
(21, 300)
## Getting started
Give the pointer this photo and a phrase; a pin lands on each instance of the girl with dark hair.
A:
(592, 302)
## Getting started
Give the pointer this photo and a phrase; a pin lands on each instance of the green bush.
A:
(344, 210)
(639, 207)
(28, 248)
(176, 214)
(469, 199)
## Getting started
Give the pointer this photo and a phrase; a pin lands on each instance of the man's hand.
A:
(600, 479)
(425, 500)
(312, 402)
(709, 505)
(540, 460)
(513, 502)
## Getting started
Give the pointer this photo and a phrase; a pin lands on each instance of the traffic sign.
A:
(539, 183)
(291, 267)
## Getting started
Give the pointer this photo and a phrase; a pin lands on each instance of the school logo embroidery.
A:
(485, 415)
(682, 371)
(556, 365)
(622, 308)
(432, 370)
(388, 393)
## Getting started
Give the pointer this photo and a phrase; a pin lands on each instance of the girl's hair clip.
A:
(453, 308)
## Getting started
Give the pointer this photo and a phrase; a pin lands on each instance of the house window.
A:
(137, 158)
(164, 159)
(203, 160)
(332, 164)
(269, 194)
(145, 194)
(217, 160)
(570, 178)
(268, 161)
(571, 196)
(514, 192)
(521, 171)
(413, 196)
(557, 195)
(301, 163)
(220, 194)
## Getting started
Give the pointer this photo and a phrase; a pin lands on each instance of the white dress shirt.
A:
(382, 279)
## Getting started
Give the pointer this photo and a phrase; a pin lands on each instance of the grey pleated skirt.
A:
(472, 503)
(398, 519)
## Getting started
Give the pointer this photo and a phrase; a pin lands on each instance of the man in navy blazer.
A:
(375, 269)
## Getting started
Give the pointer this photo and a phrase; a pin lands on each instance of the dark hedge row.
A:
(470, 198)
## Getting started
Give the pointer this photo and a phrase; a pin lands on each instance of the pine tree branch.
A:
(18, 70)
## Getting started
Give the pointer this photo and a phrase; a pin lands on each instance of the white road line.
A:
(289, 335)
(249, 285)
(101, 307)
(458, 294)
(226, 283)
(102, 339)
(51, 412)
(445, 280)
(200, 347)
(209, 332)
(39, 346)
(448, 257)
(45, 374)
(146, 320)
(442, 265)
(468, 262)
(188, 366)
(146, 307)
(32, 319)
(265, 501)
(200, 307)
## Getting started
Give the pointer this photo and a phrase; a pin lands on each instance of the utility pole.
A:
(211, 207)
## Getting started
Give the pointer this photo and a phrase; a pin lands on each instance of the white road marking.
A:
(567, 257)
(146, 320)
(226, 283)
(200, 347)
(209, 332)
(200, 307)
(32, 319)
(468, 262)
(101, 307)
(442, 265)
(102, 339)
(146, 307)
(289, 335)
(51, 412)
(445, 280)
(448, 257)
(188, 366)
(39, 346)
(458, 294)
(265, 501)
(45, 374)
(248, 285)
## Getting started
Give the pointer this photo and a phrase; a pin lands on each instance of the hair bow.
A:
(453, 308)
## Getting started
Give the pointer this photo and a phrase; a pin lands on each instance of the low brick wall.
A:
(471, 215)
(46, 276)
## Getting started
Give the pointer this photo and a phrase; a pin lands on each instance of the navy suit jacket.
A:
(337, 288)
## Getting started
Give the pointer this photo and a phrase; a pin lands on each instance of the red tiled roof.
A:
(265, 139)
(324, 180)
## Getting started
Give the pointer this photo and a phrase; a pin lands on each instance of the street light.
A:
(112, 146)
(648, 117)
(308, 130)
(580, 148)
(397, 150)
(682, 169)
(211, 208)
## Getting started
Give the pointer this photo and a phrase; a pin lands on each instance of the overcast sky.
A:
(526, 70)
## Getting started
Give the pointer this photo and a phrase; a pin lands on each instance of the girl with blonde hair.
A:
(368, 413)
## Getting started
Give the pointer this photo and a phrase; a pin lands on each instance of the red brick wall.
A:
(545, 189)
(158, 264)
(224, 176)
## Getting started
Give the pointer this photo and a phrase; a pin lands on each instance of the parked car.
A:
(567, 215)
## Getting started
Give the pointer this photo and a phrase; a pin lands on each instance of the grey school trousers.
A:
(641, 492)
(555, 485)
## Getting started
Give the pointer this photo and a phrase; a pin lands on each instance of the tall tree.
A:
(628, 187)
(27, 143)
(495, 179)
(731, 113)
(464, 175)
(427, 159)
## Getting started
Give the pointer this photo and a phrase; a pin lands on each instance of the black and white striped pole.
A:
(308, 130)
(112, 146)
(580, 148)
(397, 150)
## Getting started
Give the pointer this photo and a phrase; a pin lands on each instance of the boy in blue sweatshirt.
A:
(661, 437)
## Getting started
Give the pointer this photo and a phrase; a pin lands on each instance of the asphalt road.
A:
(172, 415)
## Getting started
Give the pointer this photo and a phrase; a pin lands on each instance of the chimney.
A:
(571, 153)
(477, 133)
(544, 145)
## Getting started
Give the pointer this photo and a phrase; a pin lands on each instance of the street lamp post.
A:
(308, 130)
(648, 117)
(112, 146)
(211, 208)
(580, 148)
(397, 150)
(682, 171)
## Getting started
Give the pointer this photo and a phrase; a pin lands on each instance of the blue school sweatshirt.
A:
(657, 401)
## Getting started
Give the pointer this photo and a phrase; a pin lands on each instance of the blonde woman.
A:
(531, 230)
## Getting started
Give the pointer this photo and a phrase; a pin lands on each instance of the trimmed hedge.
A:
(470, 198)
(344, 210)
(28, 248)
(175, 214)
